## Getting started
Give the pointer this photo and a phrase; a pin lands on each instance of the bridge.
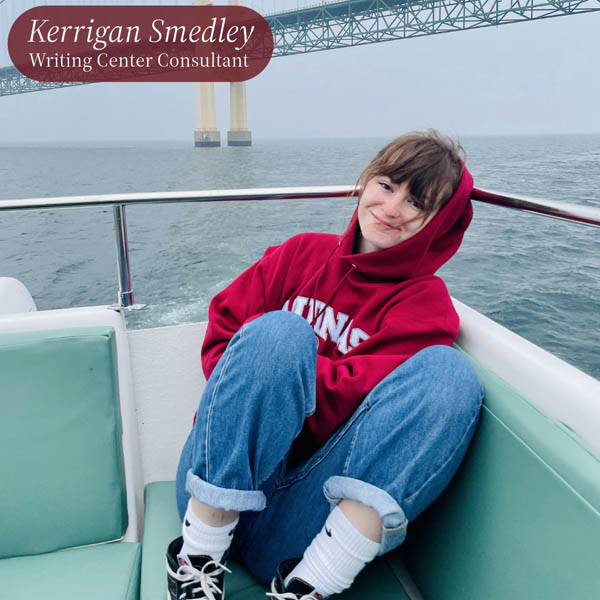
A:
(331, 25)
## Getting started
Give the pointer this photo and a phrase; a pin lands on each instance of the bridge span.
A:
(332, 25)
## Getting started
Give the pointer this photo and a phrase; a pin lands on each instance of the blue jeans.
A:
(396, 453)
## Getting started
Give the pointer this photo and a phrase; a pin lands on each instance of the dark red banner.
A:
(140, 43)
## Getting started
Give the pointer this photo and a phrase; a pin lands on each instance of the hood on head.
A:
(425, 252)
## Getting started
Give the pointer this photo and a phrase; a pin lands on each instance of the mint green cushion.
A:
(60, 441)
(522, 517)
(162, 525)
(105, 572)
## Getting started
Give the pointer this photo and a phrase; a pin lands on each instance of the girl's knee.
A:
(451, 387)
(450, 367)
(275, 327)
(271, 364)
(459, 390)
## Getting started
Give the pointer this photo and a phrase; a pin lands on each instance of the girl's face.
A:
(388, 214)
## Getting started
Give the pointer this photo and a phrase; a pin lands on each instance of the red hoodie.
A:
(373, 310)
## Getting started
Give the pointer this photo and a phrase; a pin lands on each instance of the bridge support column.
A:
(238, 134)
(207, 133)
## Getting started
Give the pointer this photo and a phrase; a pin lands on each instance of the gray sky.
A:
(532, 77)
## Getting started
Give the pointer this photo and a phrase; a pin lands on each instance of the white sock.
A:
(333, 560)
(201, 539)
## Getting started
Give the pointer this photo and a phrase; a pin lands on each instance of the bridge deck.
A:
(357, 22)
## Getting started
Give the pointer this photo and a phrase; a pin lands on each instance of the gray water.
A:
(537, 276)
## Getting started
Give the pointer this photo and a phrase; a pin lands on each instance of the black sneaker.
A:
(297, 589)
(202, 580)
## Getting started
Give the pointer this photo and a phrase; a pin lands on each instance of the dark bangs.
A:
(429, 162)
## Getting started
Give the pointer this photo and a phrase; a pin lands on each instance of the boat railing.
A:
(585, 215)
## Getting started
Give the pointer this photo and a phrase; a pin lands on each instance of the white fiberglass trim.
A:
(557, 388)
(90, 317)
(168, 382)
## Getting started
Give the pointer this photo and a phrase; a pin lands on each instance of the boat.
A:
(93, 417)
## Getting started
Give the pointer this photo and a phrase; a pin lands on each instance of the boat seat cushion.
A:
(162, 524)
(104, 572)
(60, 441)
(522, 517)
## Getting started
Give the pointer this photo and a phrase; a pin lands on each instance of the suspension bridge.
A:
(331, 25)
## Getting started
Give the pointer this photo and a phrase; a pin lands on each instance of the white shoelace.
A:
(207, 581)
(287, 595)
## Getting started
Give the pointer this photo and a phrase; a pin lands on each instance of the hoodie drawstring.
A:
(318, 280)
(337, 287)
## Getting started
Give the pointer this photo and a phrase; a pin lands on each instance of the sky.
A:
(537, 77)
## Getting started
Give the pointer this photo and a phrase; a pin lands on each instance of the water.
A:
(537, 276)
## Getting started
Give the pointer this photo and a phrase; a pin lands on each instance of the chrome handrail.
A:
(123, 271)
(332, 191)
(586, 215)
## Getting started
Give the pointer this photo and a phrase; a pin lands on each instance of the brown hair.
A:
(429, 162)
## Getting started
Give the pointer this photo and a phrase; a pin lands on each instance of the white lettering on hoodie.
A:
(329, 324)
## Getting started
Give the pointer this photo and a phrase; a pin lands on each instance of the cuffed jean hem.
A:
(338, 488)
(225, 498)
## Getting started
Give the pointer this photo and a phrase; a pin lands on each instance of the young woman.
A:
(335, 409)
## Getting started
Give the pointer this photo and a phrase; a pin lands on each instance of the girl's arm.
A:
(245, 298)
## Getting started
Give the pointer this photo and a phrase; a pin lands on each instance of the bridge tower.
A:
(207, 133)
(238, 134)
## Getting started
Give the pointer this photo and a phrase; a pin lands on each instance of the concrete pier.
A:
(238, 134)
(207, 133)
